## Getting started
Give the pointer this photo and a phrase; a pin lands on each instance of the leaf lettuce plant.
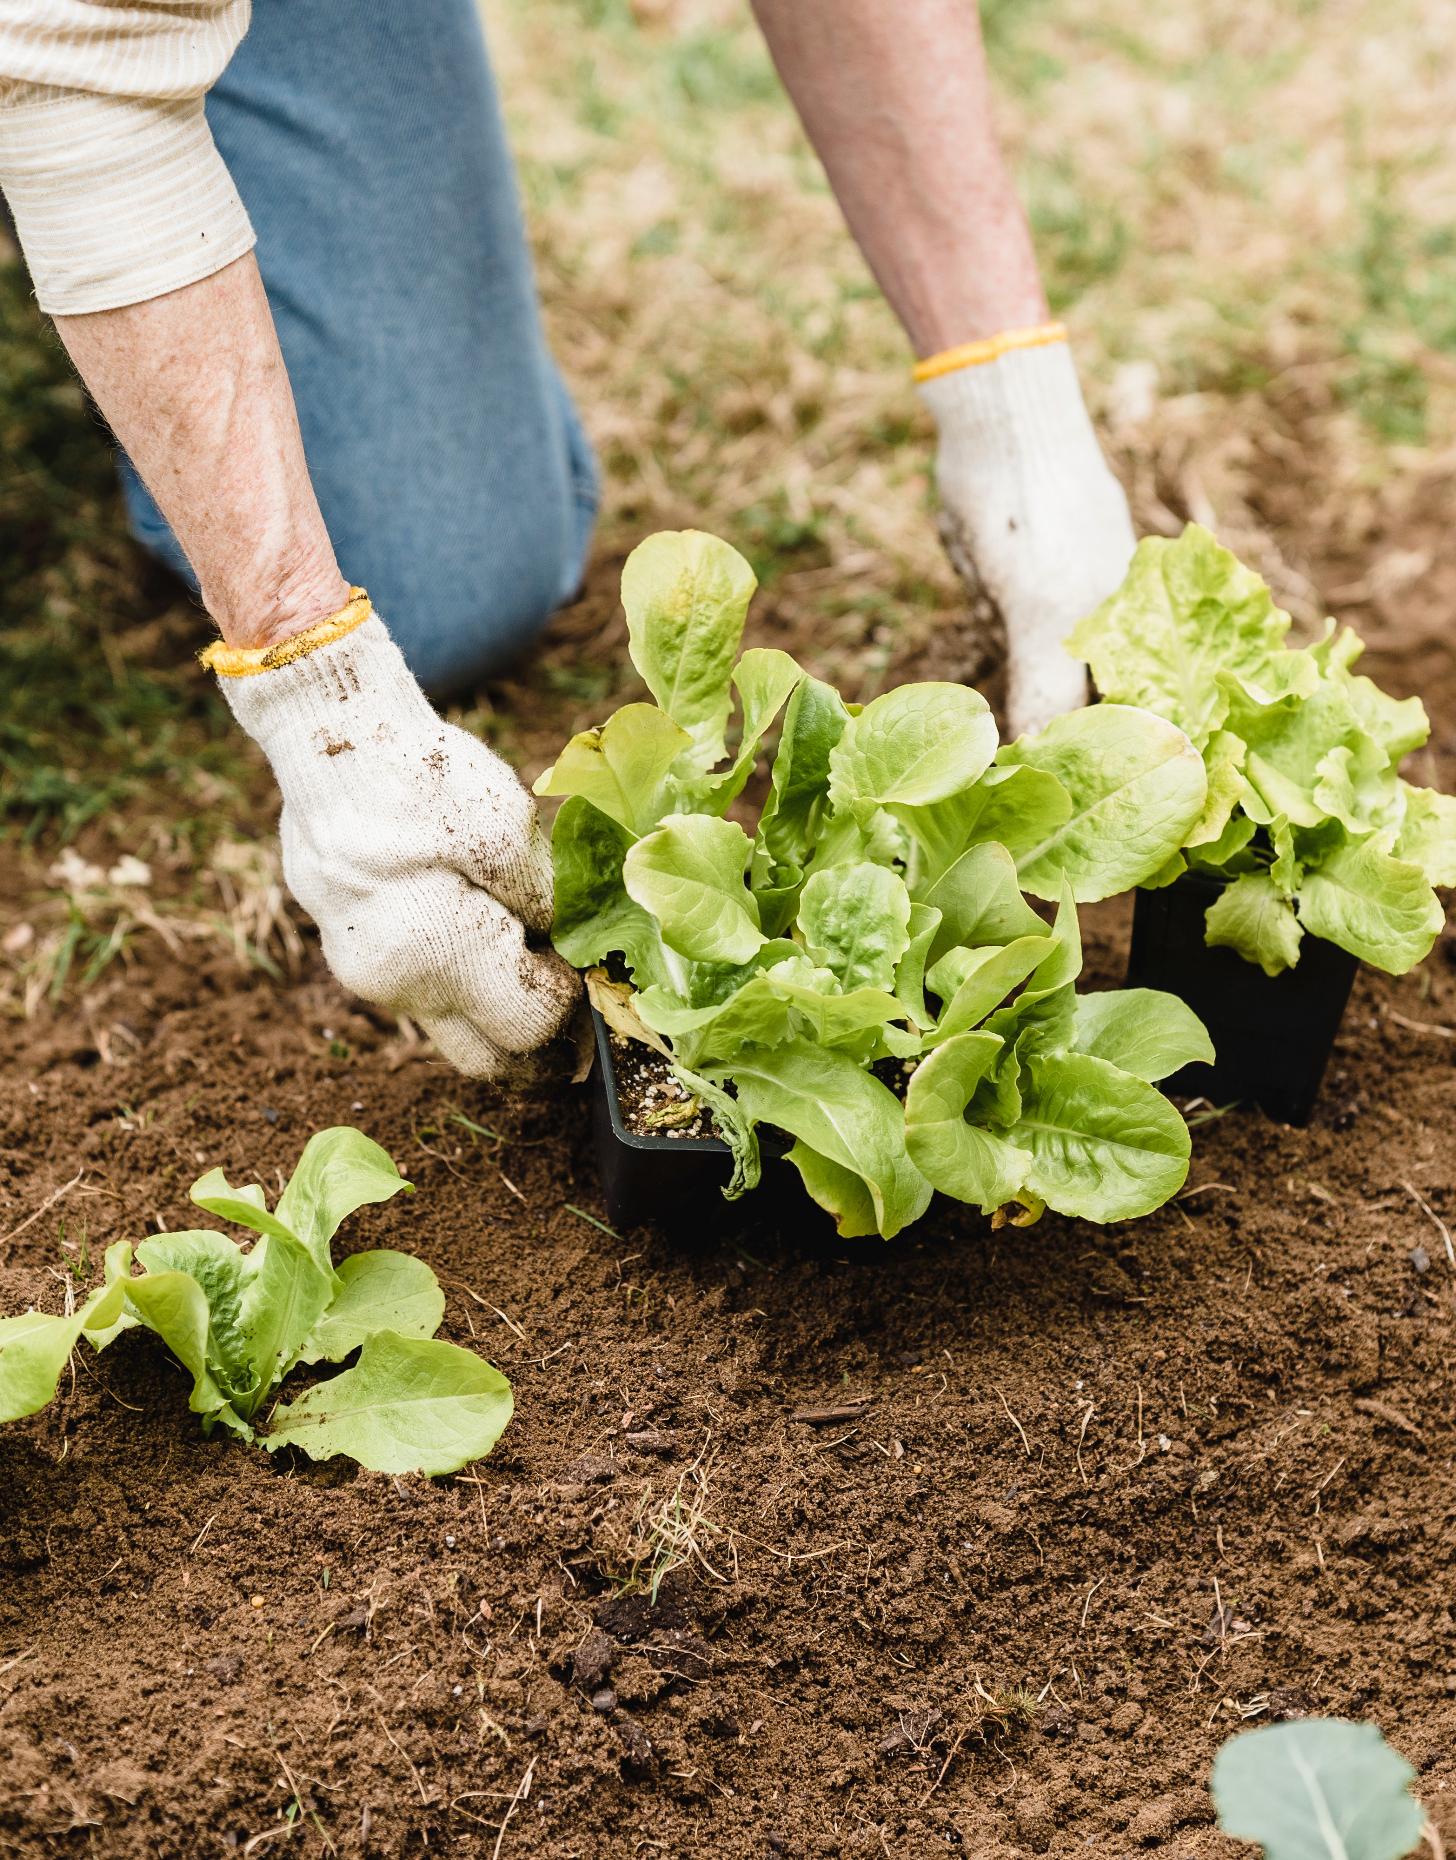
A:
(240, 1317)
(860, 968)
(1308, 826)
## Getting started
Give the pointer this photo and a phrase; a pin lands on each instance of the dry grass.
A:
(1246, 211)
(1246, 208)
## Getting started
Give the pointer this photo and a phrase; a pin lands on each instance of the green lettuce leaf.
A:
(1427, 835)
(855, 920)
(689, 874)
(923, 928)
(1317, 1789)
(624, 769)
(595, 918)
(382, 1290)
(972, 982)
(1142, 1031)
(733, 1125)
(1105, 1146)
(1254, 917)
(1223, 762)
(35, 1348)
(765, 678)
(686, 597)
(1187, 610)
(846, 1116)
(913, 746)
(959, 1158)
(979, 902)
(1136, 786)
(410, 1404)
(1380, 909)
(174, 1306)
(798, 799)
(1014, 807)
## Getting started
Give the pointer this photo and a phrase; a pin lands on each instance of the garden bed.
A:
(998, 1535)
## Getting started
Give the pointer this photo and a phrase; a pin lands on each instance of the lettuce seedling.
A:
(240, 1317)
(1307, 822)
(860, 968)
(1317, 1789)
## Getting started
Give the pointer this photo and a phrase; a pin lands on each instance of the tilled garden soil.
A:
(997, 1535)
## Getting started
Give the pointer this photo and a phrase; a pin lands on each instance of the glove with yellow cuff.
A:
(1031, 516)
(415, 848)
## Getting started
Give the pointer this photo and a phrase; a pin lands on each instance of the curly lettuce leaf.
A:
(1253, 917)
(1427, 834)
(1380, 909)
(1188, 610)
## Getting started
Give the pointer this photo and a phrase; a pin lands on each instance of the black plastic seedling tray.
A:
(1272, 1034)
(678, 1182)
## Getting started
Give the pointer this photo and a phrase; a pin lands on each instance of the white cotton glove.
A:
(1032, 518)
(415, 848)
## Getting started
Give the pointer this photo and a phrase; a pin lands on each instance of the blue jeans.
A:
(456, 482)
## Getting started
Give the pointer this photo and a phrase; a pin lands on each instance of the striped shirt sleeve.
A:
(106, 159)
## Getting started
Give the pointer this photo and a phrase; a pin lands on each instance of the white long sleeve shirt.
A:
(106, 159)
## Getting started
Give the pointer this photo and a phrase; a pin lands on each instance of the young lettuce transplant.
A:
(1307, 819)
(239, 1319)
(872, 925)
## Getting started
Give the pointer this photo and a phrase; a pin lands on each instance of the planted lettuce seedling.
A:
(240, 1317)
(1311, 852)
(859, 969)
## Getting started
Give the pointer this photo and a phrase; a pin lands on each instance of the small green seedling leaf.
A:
(35, 1347)
(340, 1171)
(382, 1290)
(1317, 1789)
(410, 1404)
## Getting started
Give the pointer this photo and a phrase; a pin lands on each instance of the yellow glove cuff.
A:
(244, 661)
(972, 354)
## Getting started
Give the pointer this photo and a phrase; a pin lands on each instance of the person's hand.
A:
(1030, 514)
(415, 848)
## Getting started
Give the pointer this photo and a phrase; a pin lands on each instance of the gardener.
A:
(390, 314)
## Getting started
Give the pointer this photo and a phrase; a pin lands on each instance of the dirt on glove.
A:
(969, 1544)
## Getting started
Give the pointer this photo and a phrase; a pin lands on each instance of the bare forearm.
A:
(896, 101)
(194, 387)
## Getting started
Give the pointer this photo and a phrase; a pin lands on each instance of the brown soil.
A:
(650, 1100)
(1096, 1497)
